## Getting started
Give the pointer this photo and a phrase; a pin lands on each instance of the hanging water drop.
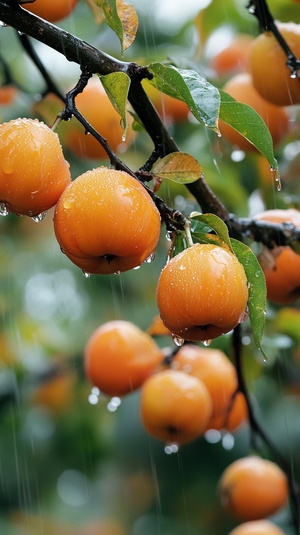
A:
(39, 217)
(4, 211)
(86, 274)
(206, 343)
(150, 258)
(228, 441)
(178, 341)
(113, 404)
(213, 436)
(171, 448)
(136, 268)
(94, 396)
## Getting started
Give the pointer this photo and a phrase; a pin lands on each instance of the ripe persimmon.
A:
(94, 104)
(241, 88)
(218, 374)
(268, 65)
(119, 356)
(232, 58)
(175, 406)
(33, 170)
(252, 488)
(106, 222)
(281, 265)
(257, 527)
(202, 292)
(51, 10)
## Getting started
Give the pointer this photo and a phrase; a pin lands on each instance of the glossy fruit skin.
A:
(241, 88)
(252, 488)
(234, 57)
(51, 10)
(202, 292)
(175, 406)
(283, 278)
(267, 63)
(33, 170)
(257, 527)
(215, 370)
(94, 104)
(106, 222)
(233, 416)
(118, 357)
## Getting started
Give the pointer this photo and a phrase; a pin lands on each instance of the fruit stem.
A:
(187, 230)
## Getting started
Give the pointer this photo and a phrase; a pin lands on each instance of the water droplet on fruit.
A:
(94, 395)
(171, 448)
(136, 268)
(178, 341)
(228, 441)
(206, 343)
(150, 258)
(39, 217)
(86, 274)
(113, 404)
(3, 209)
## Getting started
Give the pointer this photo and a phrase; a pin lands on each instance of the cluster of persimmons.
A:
(106, 222)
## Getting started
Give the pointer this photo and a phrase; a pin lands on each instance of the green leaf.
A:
(214, 223)
(178, 167)
(249, 123)
(202, 98)
(121, 18)
(116, 85)
(257, 301)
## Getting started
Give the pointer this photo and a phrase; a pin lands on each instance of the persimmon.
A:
(281, 265)
(106, 222)
(8, 94)
(218, 374)
(268, 65)
(202, 292)
(94, 104)
(33, 170)
(232, 58)
(51, 10)
(252, 488)
(175, 406)
(119, 356)
(241, 88)
(257, 527)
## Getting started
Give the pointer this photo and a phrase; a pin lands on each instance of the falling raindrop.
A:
(113, 404)
(4, 211)
(178, 341)
(228, 441)
(39, 217)
(171, 448)
(213, 436)
(150, 258)
(94, 396)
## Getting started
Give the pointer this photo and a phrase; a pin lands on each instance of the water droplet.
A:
(238, 155)
(117, 272)
(86, 274)
(150, 258)
(3, 24)
(206, 343)
(171, 448)
(39, 217)
(213, 436)
(4, 211)
(293, 74)
(113, 404)
(94, 396)
(178, 341)
(136, 268)
(251, 9)
(228, 441)
(169, 236)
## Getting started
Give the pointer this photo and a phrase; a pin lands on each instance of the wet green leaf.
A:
(214, 223)
(116, 85)
(257, 301)
(121, 18)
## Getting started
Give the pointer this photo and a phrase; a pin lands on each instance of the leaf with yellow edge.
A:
(121, 18)
(178, 167)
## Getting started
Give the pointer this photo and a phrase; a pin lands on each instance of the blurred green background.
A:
(73, 463)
